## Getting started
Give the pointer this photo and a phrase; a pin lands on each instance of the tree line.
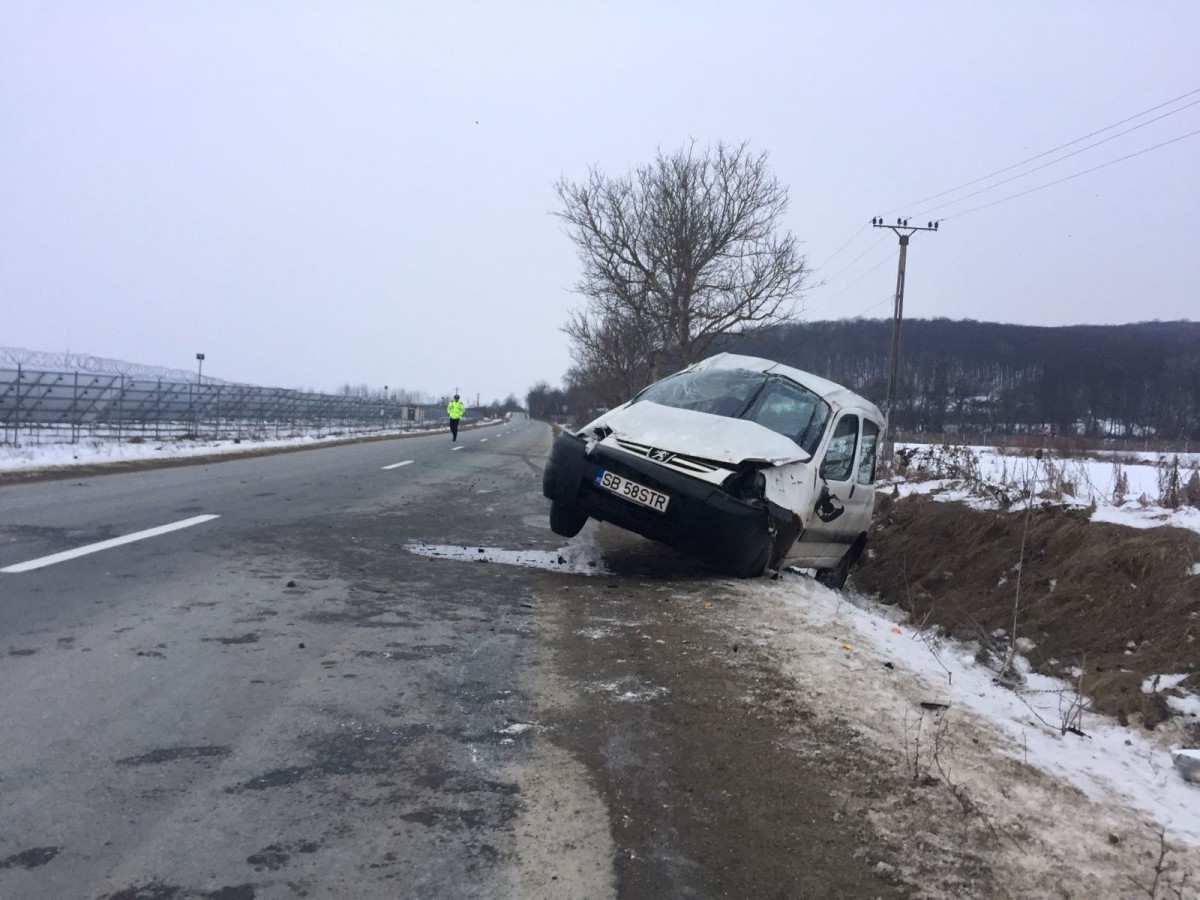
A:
(1138, 379)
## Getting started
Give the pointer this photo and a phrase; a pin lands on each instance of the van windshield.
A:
(772, 401)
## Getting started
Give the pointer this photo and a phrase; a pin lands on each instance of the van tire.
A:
(835, 578)
(566, 520)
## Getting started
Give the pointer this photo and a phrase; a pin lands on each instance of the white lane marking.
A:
(399, 464)
(483, 440)
(105, 545)
(458, 448)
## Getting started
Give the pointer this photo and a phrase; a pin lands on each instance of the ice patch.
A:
(579, 560)
(625, 693)
(594, 634)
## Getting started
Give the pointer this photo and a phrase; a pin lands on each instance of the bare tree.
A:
(681, 251)
(612, 357)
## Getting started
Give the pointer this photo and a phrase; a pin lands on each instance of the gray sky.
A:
(321, 193)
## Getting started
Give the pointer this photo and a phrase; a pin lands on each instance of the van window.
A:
(770, 400)
(790, 410)
(870, 446)
(839, 458)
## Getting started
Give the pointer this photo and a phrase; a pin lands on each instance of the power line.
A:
(1070, 177)
(1053, 161)
(829, 300)
(888, 299)
(852, 262)
(861, 229)
(1047, 152)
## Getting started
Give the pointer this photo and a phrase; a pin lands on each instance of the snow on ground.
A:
(1109, 763)
(581, 556)
(92, 452)
(1070, 815)
(980, 476)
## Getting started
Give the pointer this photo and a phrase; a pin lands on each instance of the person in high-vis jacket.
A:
(455, 410)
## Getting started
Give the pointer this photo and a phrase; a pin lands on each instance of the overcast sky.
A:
(320, 193)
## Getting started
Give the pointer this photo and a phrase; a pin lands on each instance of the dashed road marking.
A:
(458, 448)
(399, 464)
(106, 545)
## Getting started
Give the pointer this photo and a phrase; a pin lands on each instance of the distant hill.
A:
(987, 377)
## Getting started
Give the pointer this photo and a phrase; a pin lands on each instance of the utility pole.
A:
(903, 231)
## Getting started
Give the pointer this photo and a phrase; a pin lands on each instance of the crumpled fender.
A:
(792, 487)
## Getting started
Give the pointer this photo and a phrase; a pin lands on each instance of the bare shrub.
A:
(1191, 490)
(1120, 488)
(1031, 480)
(1167, 880)
(1170, 483)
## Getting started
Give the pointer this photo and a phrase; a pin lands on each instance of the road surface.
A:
(279, 698)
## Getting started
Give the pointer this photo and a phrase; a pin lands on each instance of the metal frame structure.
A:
(40, 402)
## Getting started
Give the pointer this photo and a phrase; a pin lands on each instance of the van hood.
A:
(699, 434)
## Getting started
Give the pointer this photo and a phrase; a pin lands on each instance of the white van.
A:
(740, 461)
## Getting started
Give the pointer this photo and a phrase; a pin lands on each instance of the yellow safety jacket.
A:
(455, 409)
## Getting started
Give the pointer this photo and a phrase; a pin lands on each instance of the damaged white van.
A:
(740, 461)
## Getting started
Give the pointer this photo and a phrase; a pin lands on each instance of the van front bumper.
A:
(700, 519)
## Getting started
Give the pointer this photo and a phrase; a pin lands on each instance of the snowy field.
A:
(1125, 488)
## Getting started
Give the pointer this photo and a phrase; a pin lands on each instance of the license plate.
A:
(632, 491)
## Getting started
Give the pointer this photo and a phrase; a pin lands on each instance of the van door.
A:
(842, 510)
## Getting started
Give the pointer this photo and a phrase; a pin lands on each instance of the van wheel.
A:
(565, 519)
(836, 577)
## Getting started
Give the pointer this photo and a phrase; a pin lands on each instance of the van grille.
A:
(692, 465)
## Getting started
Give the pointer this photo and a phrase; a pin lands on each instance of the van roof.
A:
(837, 395)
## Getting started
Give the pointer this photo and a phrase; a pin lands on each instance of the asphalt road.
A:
(283, 701)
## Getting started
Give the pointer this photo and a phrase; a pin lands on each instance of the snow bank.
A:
(985, 478)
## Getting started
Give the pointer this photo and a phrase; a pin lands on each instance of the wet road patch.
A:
(175, 754)
(249, 638)
(157, 890)
(276, 856)
(30, 859)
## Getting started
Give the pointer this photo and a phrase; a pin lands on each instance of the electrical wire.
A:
(852, 262)
(1051, 162)
(1058, 181)
(826, 301)
(888, 299)
(1048, 152)
(861, 229)
(1070, 177)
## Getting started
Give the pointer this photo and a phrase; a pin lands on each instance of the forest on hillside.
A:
(969, 377)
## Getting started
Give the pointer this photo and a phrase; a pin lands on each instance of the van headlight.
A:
(747, 483)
